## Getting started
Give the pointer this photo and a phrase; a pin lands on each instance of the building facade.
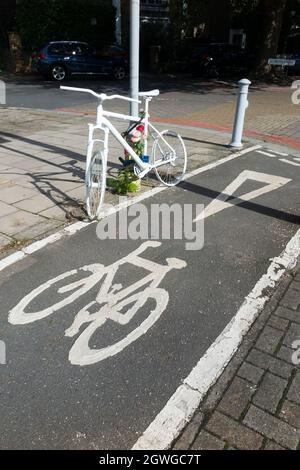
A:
(155, 10)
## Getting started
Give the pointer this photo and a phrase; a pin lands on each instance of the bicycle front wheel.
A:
(169, 154)
(83, 354)
(95, 185)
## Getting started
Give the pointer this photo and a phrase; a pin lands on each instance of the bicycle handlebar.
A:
(101, 96)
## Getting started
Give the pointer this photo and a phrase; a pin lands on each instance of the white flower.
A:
(136, 136)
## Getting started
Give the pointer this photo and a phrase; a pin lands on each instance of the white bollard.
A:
(2, 92)
(2, 352)
(242, 105)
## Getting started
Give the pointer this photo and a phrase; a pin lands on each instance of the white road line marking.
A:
(181, 406)
(280, 153)
(38, 245)
(289, 162)
(266, 153)
(221, 161)
(11, 259)
(221, 202)
(73, 228)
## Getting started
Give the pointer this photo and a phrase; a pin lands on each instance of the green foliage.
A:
(127, 181)
(7, 20)
(39, 21)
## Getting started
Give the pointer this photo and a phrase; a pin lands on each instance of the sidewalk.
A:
(255, 404)
(271, 115)
(42, 162)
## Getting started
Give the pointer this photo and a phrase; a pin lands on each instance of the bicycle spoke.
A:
(95, 185)
(170, 156)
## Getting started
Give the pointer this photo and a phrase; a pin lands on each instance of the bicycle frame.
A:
(104, 124)
(113, 298)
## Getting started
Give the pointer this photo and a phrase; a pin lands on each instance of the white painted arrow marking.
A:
(221, 202)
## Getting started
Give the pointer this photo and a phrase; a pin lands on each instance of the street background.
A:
(44, 134)
(255, 403)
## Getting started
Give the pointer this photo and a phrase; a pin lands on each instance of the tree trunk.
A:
(271, 16)
(7, 19)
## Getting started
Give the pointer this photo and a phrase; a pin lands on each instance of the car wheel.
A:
(119, 72)
(58, 72)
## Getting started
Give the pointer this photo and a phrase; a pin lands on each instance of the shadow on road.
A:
(237, 201)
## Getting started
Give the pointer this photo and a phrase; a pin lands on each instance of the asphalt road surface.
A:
(36, 93)
(100, 386)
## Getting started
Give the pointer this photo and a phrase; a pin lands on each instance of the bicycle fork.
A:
(90, 148)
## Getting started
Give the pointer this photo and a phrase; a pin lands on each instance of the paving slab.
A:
(15, 194)
(5, 241)
(18, 221)
(6, 209)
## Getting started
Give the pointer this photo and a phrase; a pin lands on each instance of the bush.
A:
(40, 21)
(127, 181)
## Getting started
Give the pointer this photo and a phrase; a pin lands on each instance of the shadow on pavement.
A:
(44, 182)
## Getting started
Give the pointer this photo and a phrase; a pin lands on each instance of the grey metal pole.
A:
(134, 54)
(242, 105)
(117, 5)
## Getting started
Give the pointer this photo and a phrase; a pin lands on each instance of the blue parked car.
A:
(60, 60)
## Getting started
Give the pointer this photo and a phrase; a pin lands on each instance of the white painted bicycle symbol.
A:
(111, 298)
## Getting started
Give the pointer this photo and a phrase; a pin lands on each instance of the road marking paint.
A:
(282, 154)
(54, 237)
(73, 228)
(212, 165)
(266, 153)
(112, 300)
(11, 259)
(221, 202)
(177, 412)
(289, 162)
(38, 245)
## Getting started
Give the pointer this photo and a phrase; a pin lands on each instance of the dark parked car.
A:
(212, 60)
(115, 51)
(294, 69)
(62, 59)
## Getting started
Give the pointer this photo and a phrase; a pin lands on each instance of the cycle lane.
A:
(47, 402)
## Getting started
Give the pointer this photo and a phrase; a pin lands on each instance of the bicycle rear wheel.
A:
(95, 184)
(169, 145)
(19, 316)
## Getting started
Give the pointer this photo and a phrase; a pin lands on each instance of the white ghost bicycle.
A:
(168, 156)
(113, 302)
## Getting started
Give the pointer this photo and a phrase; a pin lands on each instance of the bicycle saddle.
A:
(149, 93)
